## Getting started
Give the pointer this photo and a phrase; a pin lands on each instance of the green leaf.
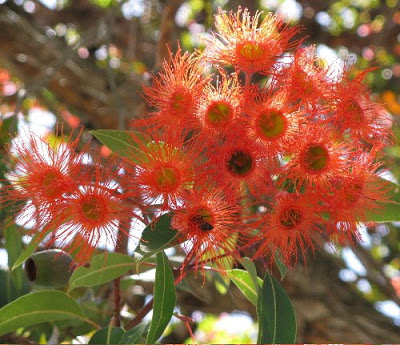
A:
(13, 246)
(281, 266)
(245, 284)
(277, 321)
(120, 142)
(109, 335)
(156, 237)
(388, 212)
(248, 264)
(103, 268)
(39, 307)
(135, 334)
(164, 298)
(30, 248)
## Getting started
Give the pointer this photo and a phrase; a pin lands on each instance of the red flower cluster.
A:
(79, 204)
(267, 157)
(284, 151)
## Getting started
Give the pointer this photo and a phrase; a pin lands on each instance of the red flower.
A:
(165, 169)
(305, 80)
(97, 212)
(273, 123)
(357, 114)
(42, 176)
(249, 47)
(359, 192)
(239, 163)
(175, 94)
(288, 226)
(318, 159)
(220, 107)
(209, 223)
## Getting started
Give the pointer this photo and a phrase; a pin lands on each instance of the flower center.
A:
(166, 178)
(53, 183)
(353, 192)
(218, 114)
(181, 101)
(202, 219)
(271, 124)
(306, 82)
(290, 218)
(316, 158)
(239, 163)
(252, 51)
(93, 208)
(355, 111)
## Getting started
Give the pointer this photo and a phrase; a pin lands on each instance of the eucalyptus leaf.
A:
(14, 249)
(123, 143)
(276, 318)
(156, 237)
(248, 264)
(39, 307)
(245, 284)
(109, 335)
(164, 298)
(103, 268)
(134, 335)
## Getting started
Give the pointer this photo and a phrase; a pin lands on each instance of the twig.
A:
(187, 321)
(116, 319)
(140, 316)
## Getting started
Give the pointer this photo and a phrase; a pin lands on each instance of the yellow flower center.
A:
(316, 158)
(53, 183)
(252, 51)
(271, 124)
(166, 178)
(218, 114)
(181, 101)
(93, 208)
(353, 192)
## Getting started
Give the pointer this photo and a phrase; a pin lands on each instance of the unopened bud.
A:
(50, 268)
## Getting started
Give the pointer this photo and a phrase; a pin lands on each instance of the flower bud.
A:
(50, 268)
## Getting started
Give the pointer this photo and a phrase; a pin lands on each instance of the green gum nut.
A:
(50, 268)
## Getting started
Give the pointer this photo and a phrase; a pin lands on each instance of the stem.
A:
(187, 321)
(247, 81)
(116, 320)
(120, 247)
(140, 316)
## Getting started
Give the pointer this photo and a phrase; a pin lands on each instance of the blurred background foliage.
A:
(82, 62)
